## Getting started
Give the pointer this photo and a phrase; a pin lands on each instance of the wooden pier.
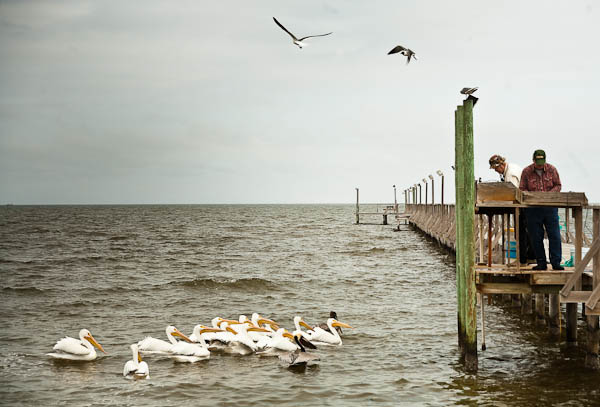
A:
(479, 229)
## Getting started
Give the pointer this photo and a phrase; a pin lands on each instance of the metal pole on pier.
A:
(432, 190)
(465, 246)
(426, 185)
(395, 200)
(357, 209)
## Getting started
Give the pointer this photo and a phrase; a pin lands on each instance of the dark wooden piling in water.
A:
(465, 242)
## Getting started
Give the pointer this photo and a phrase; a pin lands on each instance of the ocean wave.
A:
(24, 290)
(374, 250)
(244, 284)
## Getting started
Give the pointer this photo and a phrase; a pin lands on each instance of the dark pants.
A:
(539, 219)
(525, 246)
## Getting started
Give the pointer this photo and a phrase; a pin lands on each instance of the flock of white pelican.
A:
(258, 335)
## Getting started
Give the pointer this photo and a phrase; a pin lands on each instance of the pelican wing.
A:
(285, 29)
(396, 49)
(311, 36)
(297, 358)
(72, 346)
(306, 343)
(190, 349)
(151, 345)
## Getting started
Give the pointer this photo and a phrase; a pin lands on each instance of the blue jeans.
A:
(539, 219)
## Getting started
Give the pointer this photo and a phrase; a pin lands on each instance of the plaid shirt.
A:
(549, 181)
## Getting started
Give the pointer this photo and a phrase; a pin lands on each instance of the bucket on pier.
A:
(511, 252)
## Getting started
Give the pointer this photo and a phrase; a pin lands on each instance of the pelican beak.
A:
(343, 325)
(289, 336)
(262, 321)
(139, 358)
(230, 321)
(93, 342)
(255, 329)
(304, 324)
(182, 336)
(207, 329)
(230, 329)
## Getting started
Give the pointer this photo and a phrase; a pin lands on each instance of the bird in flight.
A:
(298, 41)
(468, 91)
(404, 51)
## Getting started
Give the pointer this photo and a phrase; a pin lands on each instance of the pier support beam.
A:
(465, 233)
(357, 208)
(540, 309)
(572, 307)
(593, 328)
(553, 314)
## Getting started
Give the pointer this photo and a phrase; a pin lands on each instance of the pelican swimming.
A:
(282, 342)
(153, 345)
(298, 41)
(203, 334)
(77, 349)
(321, 337)
(300, 356)
(241, 343)
(323, 325)
(189, 352)
(136, 368)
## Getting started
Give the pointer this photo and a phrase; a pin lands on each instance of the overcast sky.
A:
(210, 102)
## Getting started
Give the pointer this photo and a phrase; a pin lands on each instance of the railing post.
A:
(357, 208)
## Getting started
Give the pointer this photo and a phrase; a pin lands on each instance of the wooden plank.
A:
(549, 278)
(496, 192)
(561, 199)
(504, 288)
(576, 297)
(594, 298)
(570, 284)
(593, 311)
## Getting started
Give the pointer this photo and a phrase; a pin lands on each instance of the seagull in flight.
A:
(404, 51)
(468, 91)
(298, 41)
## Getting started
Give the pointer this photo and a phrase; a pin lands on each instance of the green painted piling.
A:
(465, 235)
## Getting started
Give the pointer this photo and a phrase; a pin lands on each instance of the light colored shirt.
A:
(512, 174)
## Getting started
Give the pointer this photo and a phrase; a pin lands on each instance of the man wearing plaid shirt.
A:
(541, 176)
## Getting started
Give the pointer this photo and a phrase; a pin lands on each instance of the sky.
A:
(202, 102)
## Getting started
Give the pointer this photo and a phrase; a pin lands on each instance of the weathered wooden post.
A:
(357, 208)
(465, 242)
(540, 309)
(572, 307)
(553, 314)
(432, 190)
(593, 328)
(426, 188)
(420, 195)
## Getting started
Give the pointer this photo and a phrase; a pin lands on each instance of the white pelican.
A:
(77, 349)
(153, 345)
(136, 368)
(299, 356)
(189, 352)
(321, 337)
(298, 321)
(241, 343)
(281, 342)
(323, 325)
(203, 334)
(298, 41)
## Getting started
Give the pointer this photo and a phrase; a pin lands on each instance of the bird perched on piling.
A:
(469, 92)
(404, 51)
(295, 40)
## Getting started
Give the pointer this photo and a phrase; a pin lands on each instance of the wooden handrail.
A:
(568, 287)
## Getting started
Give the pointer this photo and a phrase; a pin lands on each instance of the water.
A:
(125, 272)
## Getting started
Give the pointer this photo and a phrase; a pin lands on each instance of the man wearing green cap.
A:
(541, 176)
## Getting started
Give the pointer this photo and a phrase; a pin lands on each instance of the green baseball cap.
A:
(539, 156)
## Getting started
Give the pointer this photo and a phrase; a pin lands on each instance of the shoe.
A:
(538, 267)
(558, 268)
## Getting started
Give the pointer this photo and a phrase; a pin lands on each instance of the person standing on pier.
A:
(510, 172)
(541, 176)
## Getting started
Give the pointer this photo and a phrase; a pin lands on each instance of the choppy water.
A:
(125, 272)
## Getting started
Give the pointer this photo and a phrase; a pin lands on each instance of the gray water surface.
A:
(125, 272)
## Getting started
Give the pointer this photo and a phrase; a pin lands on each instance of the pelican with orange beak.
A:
(153, 345)
(319, 336)
(136, 368)
(77, 349)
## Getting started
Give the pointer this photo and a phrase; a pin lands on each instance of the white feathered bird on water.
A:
(136, 368)
(153, 345)
(77, 349)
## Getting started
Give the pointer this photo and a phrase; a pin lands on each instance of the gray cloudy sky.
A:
(210, 102)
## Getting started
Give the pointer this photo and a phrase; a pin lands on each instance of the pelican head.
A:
(172, 331)
(84, 334)
(335, 322)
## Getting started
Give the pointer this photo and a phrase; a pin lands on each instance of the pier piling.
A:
(465, 242)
